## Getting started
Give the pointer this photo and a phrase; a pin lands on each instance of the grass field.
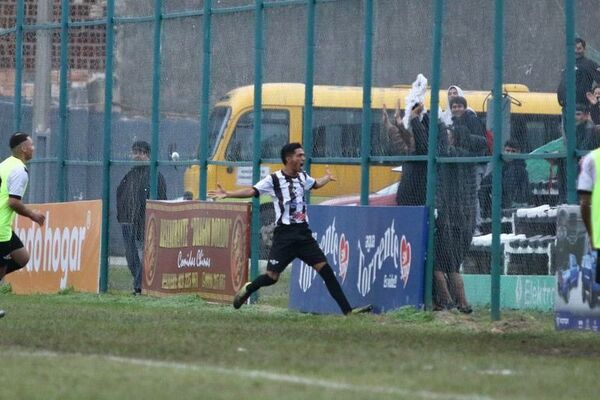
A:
(116, 346)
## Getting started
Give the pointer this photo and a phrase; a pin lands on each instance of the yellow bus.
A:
(337, 127)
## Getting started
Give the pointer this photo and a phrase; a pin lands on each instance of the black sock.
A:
(260, 281)
(11, 266)
(335, 290)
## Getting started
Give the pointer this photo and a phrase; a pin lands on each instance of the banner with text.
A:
(196, 247)
(64, 253)
(377, 254)
(577, 298)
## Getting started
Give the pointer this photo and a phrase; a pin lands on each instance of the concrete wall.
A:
(534, 43)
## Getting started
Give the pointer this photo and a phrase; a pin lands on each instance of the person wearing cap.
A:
(13, 183)
(132, 193)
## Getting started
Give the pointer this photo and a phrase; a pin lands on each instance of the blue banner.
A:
(377, 254)
(577, 298)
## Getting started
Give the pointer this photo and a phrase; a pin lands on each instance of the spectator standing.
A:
(412, 141)
(586, 138)
(456, 196)
(515, 182)
(456, 206)
(594, 103)
(446, 115)
(465, 118)
(132, 193)
(586, 73)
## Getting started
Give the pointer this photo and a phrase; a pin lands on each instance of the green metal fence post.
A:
(307, 138)
(497, 158)
(570, 110)
(258, 59)
(18, 64)
(63, 100)
(155, 99)
(365, 148)
(108, 98)
(438, 18)
(206, 47)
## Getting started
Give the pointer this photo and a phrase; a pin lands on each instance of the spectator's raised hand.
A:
(416, 111)
(384, 115)
(398, 114)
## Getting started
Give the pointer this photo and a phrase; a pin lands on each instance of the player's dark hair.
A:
(580, 40)
(289, 150)
(17, 138)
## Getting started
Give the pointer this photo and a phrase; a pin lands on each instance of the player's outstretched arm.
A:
(328, 177)
(221, 193)
(21, 209)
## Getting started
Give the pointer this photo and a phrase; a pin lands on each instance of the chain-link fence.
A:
(90, 78)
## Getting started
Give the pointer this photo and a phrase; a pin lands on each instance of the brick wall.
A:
(86, 45)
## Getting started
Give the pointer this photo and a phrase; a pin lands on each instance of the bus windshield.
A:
(216, 126)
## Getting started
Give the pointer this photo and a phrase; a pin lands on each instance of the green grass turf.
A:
(63, 347)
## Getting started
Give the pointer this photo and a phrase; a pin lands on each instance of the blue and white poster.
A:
(577, 299)
(377, 254)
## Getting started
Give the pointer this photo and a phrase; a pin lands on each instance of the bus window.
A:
(275, 128)
(337, 133)
(216, 126)
(535, 130)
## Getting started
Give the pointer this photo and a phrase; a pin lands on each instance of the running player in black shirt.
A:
(292, 237)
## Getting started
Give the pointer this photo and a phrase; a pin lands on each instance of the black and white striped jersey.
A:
(288, 195)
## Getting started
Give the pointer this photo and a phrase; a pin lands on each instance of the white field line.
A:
(264, 375)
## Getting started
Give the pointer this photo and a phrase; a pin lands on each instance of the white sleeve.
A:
(587, 176)
(309, 182)
(265, 185)
(17, 182)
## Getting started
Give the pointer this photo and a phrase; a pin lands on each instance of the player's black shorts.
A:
(293, 241)
(10, 245)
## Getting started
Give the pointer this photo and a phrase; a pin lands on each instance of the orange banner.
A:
(65, 252)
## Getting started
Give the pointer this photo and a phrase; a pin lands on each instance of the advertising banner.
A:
(65, 252)
(576, 300)
(377, 254)
(517, 292)
(196, 247)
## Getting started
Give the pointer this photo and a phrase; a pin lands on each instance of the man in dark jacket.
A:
(586, 72)
(456, 193)
(132, 193)
(464, 118)
(586, 138)
(515, 182)
(594, 102)
(413, 141)
(456, 204)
